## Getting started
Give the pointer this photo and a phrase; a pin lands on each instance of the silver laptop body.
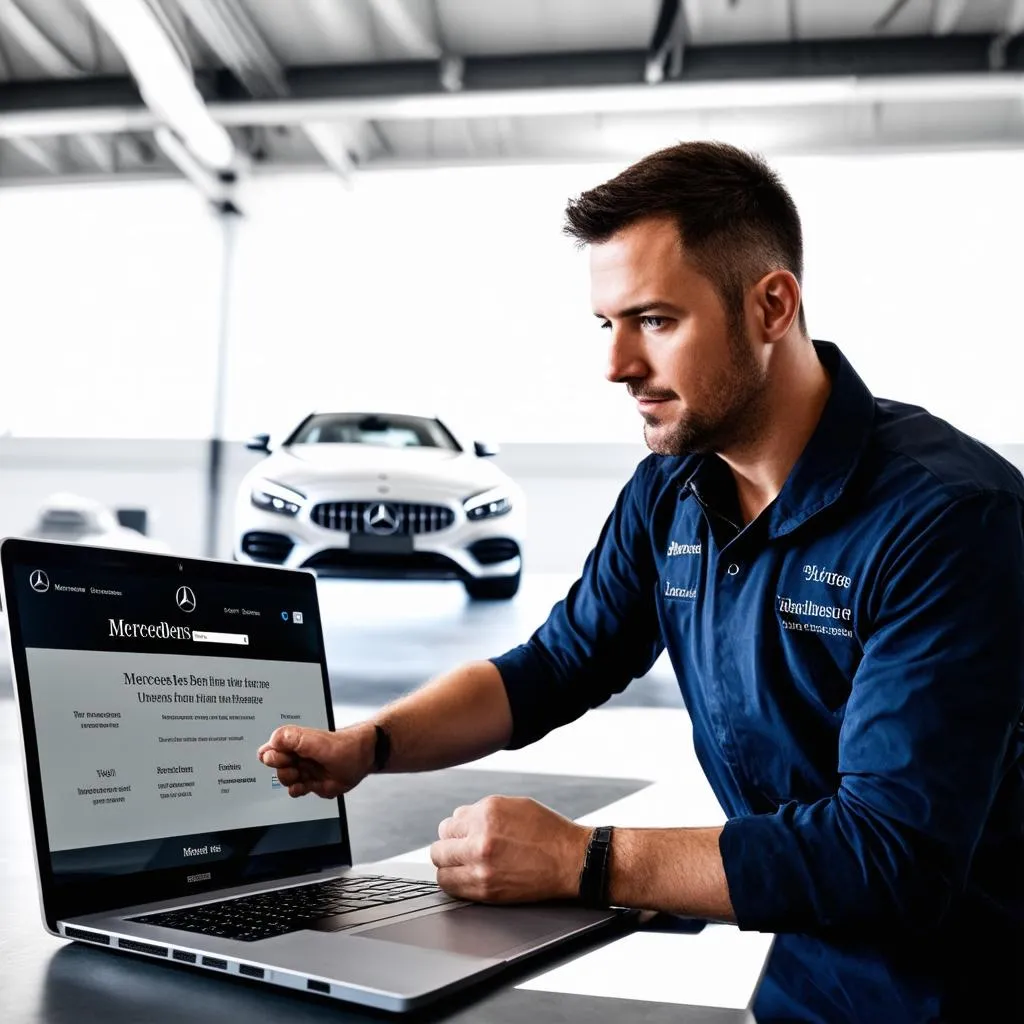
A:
(145, 684)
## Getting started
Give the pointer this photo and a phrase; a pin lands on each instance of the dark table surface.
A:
(44, 979)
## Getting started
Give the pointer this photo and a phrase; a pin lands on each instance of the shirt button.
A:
(733, 569)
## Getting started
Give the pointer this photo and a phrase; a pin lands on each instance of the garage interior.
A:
(268, 208)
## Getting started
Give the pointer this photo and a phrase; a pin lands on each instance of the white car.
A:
(73, 518)
(383, 496)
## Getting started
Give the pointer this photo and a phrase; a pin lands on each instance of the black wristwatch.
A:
(594, 876)
(381, 749)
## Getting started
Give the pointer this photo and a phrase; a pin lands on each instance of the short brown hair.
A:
(736, 218)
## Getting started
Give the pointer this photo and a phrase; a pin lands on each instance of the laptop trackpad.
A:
(492, 932)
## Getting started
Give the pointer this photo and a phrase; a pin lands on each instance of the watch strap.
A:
(594, 875)
(381, 748)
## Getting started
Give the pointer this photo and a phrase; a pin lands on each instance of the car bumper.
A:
(486, 549)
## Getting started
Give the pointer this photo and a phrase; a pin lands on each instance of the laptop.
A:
(145, 684)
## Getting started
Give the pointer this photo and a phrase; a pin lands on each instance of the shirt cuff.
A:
(766, 887)
(522, 675)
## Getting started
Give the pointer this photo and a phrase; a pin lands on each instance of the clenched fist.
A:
(506, 849)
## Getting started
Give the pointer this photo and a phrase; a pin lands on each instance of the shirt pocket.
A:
(822, 660)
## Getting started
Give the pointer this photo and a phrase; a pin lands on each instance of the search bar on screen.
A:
(202, 637)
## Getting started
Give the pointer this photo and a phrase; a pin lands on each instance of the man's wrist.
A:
(574, 861)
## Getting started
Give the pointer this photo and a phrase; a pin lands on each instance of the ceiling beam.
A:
(665, 52)
(1014, 24)
(946, 15)
(228, 29)
(329, 140)
(55, 61)
(100, 151)
(33, 150)
(152, 52)
(418, 40)
(36, 43)
(889, 15)
(230, 32)
(794, 74)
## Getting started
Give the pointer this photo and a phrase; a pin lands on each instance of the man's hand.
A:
(506, 849)
(318, 761)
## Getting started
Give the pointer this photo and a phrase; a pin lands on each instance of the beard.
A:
(731, 409)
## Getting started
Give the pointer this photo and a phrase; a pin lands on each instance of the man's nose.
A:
(625, 360)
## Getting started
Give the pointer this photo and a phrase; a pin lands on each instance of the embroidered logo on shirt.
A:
(816, 574)
(686, 593)
(793, 616)
(675, 548)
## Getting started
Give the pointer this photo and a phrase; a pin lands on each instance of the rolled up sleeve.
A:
(602, 635)
(930, 730)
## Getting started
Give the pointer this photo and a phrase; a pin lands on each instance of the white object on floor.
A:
(719, 966)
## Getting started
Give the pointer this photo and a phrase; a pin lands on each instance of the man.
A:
(839, 582)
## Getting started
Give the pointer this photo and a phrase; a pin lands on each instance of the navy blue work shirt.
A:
(853, 664)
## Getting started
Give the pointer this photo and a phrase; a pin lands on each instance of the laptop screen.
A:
(146, 683)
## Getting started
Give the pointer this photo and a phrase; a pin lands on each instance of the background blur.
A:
(219, 215)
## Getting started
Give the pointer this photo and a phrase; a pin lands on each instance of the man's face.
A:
(696, 379)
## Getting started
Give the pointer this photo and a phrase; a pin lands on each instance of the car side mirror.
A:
(259, 443)
(483, 449)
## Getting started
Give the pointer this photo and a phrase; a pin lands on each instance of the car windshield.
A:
(385, 431)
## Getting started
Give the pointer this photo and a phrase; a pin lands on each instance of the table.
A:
(44, 979)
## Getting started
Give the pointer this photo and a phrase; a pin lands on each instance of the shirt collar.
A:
(830, 457)
(834, 451)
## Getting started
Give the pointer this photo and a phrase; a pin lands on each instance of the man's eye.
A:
(653, 323)
(605, 325)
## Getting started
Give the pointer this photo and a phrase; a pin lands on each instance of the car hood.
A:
(308, 465)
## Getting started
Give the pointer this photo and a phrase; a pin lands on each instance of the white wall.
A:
(107, 311)
(455, 290)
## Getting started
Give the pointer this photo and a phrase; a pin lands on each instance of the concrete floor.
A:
(385, 638)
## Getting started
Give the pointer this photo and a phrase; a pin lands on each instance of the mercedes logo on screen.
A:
(186, 599)
(381, 519)
(39, 581)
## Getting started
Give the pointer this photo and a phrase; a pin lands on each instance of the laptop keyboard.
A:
(267, 914)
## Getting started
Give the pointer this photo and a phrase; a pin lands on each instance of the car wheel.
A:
(500, 588)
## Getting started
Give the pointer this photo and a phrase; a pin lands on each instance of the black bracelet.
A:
(594, 876)
(381, 749)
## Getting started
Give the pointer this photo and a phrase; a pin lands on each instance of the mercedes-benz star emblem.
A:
(39, 581)
(186, 599)
(381, 519)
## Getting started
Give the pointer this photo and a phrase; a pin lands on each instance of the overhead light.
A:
(164, 81)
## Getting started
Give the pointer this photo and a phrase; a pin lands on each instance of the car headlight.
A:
(274, 497)
(487, 505)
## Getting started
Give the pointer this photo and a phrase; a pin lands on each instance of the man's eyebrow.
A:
(638, 310)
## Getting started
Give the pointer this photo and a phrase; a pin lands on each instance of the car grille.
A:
(409, 518)
(267, 547)
(493, 550)
(413, 565)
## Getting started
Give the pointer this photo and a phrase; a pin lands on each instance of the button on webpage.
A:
(733, 569)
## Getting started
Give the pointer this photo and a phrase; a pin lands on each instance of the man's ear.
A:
(776, 304)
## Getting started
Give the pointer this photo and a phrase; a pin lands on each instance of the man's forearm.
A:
(457, 717)
(676, 870)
